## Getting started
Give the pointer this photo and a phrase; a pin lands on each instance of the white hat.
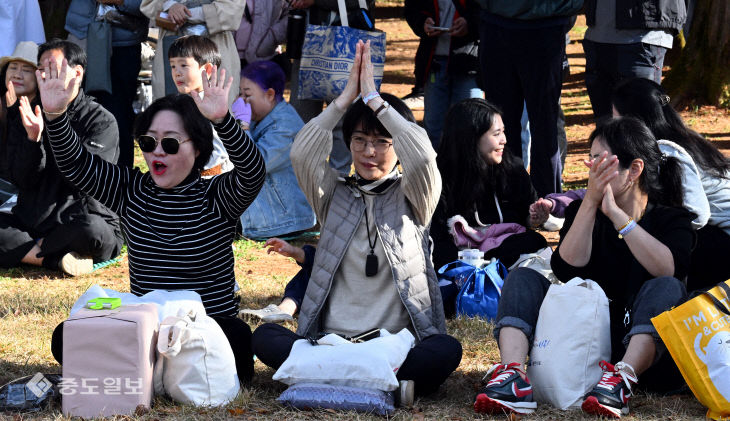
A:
(25, 51)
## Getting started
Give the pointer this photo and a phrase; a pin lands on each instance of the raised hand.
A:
(352, 89)
(57, 87)
(10, 97)
(367, 80)
(33, 122)
(603, 169)
(214, 104)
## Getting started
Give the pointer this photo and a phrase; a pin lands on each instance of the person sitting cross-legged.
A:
(631, 236)
(179, 226)
(54, 224)
(372, 268)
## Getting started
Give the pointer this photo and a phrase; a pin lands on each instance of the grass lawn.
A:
(33, 301)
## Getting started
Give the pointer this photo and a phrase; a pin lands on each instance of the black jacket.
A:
(644, 14)
(463, 58)
(514, 207)
(531, 10)
(45, 198)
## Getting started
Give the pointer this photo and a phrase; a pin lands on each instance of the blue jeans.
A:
(525, 137)
(441, 91)
(523, 292)
(609, 64)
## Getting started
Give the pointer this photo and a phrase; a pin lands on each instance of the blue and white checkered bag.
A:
(327, 57)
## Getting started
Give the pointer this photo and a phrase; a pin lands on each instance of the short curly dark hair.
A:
(197, 126)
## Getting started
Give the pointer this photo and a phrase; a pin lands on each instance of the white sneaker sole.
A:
(75, 265)
(485, 404)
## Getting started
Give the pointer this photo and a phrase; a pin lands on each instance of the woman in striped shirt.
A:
(178, 226)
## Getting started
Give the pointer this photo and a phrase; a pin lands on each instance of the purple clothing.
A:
(482, 238)
(562, 200)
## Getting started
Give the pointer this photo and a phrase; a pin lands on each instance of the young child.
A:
(218, 18)
(189, 55)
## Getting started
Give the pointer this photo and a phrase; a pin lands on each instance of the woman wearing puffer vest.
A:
(373, 267)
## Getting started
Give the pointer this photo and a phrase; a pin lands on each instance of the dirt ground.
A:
(33, 301)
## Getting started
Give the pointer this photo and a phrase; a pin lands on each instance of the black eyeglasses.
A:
(358, 144)
(170, 145)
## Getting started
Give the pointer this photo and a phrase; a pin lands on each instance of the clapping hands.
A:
(603, 169)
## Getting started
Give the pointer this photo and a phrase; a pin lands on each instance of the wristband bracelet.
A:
(55, 114)
(370, 96)
(630, 225)
(626, 224)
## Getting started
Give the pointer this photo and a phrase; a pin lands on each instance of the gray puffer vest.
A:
(406, 245)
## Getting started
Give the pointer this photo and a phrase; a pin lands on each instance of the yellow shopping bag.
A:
(697, 334)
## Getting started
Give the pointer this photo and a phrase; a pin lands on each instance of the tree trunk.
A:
(701, 74)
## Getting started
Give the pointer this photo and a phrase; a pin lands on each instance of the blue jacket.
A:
(82, 12)
(281, 207)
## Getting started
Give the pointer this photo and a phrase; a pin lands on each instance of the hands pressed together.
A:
(603, 169)
(361, 80)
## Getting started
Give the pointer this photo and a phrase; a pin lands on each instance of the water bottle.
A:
(474, 257)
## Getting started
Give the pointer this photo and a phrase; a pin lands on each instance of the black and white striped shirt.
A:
(178, 238)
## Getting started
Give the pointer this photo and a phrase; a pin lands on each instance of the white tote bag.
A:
(168, 303)
(568, 345)
(337, 361)
(195, 362)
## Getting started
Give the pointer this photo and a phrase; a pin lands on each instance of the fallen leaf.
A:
(237, 411)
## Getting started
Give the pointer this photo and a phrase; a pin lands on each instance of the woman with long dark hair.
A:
(631, 236)
(482, 182)
(706, 175)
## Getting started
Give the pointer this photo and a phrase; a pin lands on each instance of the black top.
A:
(514, 203)
(177, 238)
(612, 265)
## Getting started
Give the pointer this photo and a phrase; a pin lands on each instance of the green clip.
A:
(104, 303)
